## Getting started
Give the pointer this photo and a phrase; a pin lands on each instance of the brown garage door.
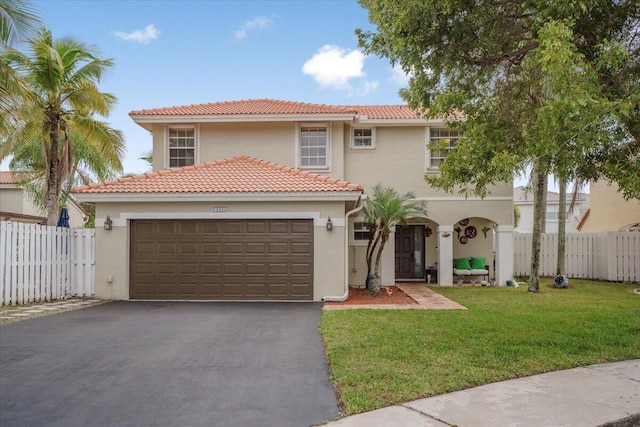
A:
(221, 259)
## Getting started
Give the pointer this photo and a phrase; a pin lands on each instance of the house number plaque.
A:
(219, 209)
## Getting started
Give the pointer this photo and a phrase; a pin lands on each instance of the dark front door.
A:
(409, 251)
(404, 252)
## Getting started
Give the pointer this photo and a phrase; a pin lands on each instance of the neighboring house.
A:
(609, 211)
(15, 205)
(523, 198)
(261, 200)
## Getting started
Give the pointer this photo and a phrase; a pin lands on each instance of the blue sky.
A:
(188, 52)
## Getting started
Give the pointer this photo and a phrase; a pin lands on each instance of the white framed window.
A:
(441, 142)
(360, 231)
(363, 138)
(313, 146)
(181, 146)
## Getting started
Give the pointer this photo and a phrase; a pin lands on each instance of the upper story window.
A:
(313, 150)
(363, 138)
(441, 142)
(182, 146)
(360, 231)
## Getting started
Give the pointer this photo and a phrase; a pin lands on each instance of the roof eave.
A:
(143, 119)
(219, 197)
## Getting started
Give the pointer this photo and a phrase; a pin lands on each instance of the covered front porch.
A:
(425, 251)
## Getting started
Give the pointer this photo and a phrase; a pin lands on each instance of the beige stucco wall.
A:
(399, 161)
(112, 247)
(271, 141)
(11, 199)
(609, 210)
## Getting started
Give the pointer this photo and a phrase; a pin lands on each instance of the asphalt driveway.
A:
(167, 364)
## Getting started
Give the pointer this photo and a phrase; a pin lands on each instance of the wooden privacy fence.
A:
(40, 263)
(608, 256)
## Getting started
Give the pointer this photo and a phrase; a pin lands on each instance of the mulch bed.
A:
(388, 295)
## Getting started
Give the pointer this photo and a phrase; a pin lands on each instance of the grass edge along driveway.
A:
(382, 357)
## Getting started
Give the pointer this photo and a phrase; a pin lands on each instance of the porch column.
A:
(445, 255)
(504, 254)
(388, 262)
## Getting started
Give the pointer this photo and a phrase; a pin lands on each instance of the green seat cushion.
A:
(477, 263)
(462, 263)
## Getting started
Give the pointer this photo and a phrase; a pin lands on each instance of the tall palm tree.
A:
(85, 166)
(18, 21)
(62, 76)
(383, 211)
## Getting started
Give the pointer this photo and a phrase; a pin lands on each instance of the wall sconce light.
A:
(329, 224)
(447, 234)
(108, 224)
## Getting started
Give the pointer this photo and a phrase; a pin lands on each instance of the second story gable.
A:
(363, 144)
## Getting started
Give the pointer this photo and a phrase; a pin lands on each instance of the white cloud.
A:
(399, 76)
(368, 87)
(139, 36)
(259, 23)
(333, 66)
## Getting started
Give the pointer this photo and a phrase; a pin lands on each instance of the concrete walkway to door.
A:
(425, 298)
(167, 363)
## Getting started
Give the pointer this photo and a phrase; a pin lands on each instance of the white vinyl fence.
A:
(608, 256)
(40, 263)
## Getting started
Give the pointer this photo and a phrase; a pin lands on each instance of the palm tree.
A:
(62, 77)
(383, 211)
(17, 21)
(86, 165)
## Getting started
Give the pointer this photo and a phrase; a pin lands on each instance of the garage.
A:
(221, 259)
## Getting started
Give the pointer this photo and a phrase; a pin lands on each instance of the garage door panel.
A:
(279, 228)
(210, 268)
(188, 248)
(167, 248)
(187, 268)
(256, 248)
(166, 228)
(257, 227)
(210, 227)
(233, 228)
(222, 259)
(300, 248)
(301, 227)
(211, 248)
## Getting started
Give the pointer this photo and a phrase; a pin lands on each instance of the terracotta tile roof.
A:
(391, 112)
(385, 111)
(235, 175)
(246, 107)
(272, 106)
(9, 177)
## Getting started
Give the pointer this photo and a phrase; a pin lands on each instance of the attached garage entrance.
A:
(202, 259)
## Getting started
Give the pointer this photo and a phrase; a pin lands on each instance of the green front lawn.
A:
(382, 357)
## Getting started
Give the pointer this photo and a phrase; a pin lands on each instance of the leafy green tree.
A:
(62, 77)
(383, 211)
(547, 85)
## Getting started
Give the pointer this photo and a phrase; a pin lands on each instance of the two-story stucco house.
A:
(261, 200)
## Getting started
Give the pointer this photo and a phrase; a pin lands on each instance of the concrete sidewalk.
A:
(583, 397)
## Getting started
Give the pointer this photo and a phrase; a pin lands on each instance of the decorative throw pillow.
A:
(477, 263)
(462, 264)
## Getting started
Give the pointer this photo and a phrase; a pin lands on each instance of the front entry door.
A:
(409, 242)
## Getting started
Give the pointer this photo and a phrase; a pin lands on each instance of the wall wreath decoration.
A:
(470, 232)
